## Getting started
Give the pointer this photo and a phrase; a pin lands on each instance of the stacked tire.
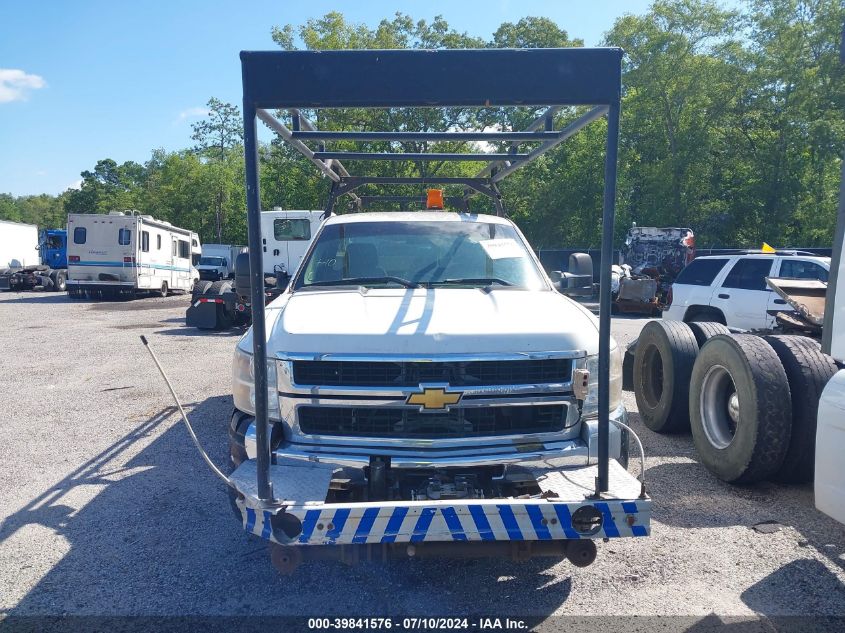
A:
(750, 401)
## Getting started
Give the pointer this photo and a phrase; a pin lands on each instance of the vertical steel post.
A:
(256, 280)
(608, 215)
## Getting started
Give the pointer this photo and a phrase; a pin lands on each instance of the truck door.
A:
(173, 263)
(743, 296)
(292, 236)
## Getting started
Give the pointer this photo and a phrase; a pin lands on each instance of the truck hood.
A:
(430, 321)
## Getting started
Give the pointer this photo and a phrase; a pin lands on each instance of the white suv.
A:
(731, 289)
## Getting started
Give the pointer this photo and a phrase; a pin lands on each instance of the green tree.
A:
(218, 137)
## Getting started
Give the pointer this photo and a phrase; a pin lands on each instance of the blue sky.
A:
(85, 80)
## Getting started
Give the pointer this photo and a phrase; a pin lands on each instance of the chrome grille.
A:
(411, 374)
(405, 423)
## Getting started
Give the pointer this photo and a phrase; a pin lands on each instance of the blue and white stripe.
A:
(488, 520)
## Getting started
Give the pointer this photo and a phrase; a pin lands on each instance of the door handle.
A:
(780, 302)
(722, 295)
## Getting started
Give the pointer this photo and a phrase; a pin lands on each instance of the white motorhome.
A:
(18, 245)
(126, 253)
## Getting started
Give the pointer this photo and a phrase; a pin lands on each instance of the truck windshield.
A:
(212, 261)
(428, 254)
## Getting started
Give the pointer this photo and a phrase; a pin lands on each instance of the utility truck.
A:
(218, 261)
(420, 388)
(20, 270)
(125, 253)
(285, 237)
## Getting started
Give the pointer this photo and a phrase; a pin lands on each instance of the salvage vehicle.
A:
(124, 253)
(49, 269)
(652, 258)
(222, 303)
(420, 388)
(732, 289)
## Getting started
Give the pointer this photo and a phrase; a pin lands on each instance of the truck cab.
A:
(52, 245)
(428, 343)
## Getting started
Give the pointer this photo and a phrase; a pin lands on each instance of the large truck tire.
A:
(808, 371)
(200, 288)
(225, 318)
(703, 331)
(740, 408)
(663, 364)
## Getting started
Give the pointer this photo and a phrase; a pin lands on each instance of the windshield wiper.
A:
(473, 281)
(364, 281)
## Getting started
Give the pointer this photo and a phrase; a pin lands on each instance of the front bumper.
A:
(299, 514)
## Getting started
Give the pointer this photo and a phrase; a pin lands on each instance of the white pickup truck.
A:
(425, 358)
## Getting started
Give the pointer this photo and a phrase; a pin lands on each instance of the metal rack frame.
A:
(482, 78)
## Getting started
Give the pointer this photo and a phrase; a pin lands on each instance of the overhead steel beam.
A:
(416, 156)
(565, 133)
(522, 137)
(432, 78)
(536, 124)
(306, 123)
(282, 130)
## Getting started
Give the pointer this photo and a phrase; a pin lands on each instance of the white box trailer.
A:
(18, 245)
(126, 253)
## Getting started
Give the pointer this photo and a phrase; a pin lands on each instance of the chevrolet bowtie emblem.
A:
(434, 398)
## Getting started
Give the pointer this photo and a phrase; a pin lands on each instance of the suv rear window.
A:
(749, 274)
(802, 269)
(700, 272)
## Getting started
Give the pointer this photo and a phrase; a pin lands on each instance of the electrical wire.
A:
(193, 435)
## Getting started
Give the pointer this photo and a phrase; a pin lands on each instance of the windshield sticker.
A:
(503, 248)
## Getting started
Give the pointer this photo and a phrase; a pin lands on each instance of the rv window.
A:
(145, 241)
(79, 235)
(287, 230)
(184, 249)
(124, 236)
(158, 242)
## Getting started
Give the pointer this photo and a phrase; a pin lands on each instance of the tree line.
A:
(733, 123)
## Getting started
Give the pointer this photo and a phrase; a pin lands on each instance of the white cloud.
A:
(15, 85)
(76, 184)
(193, 113)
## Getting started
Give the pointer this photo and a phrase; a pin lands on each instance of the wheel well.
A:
(695, 313)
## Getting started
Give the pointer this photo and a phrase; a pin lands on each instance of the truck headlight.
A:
(591, 402)
(243, 384)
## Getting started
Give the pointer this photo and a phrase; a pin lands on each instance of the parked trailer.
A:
(286, 236)
(47, 272)
(123, 253)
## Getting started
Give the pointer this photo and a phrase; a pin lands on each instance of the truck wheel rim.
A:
(719, 407)
(652, 377)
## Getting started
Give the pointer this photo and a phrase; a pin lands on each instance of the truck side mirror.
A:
(242, 284)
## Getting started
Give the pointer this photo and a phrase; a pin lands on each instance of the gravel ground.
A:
(105, 507)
